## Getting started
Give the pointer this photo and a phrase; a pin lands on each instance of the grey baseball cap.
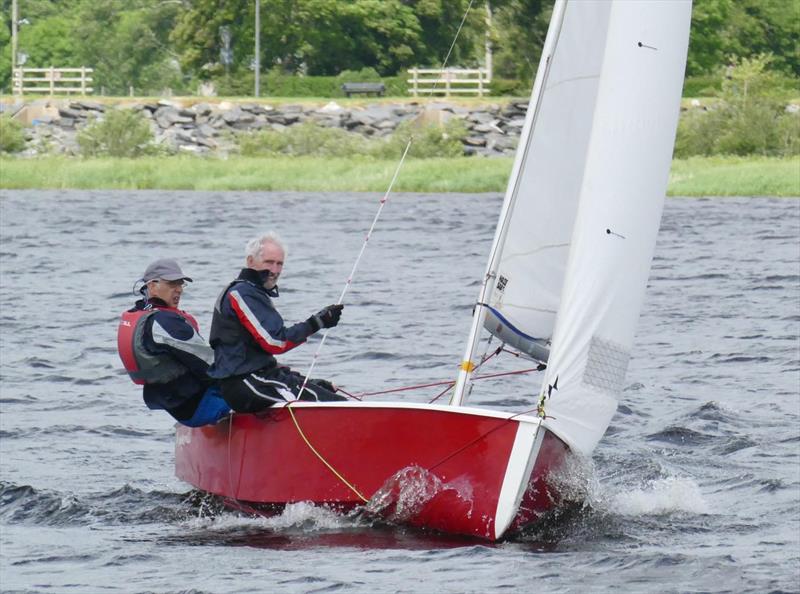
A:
(164, 269)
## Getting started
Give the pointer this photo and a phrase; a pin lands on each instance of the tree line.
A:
(150, 45)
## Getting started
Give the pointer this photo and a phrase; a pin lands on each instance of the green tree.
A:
(322, 37)
(49, 41)
(127, 43)
(5, 51)
(707, 35)
(382, 34)
(43, 36)
(723, 29)
(153, 44)
(766, 26)
(197, 35)
(518, 33)
(439, 20)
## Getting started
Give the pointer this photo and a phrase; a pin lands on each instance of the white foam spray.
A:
(661, 496)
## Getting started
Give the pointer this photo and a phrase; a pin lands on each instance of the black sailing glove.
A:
(326, 318)
(325, 384)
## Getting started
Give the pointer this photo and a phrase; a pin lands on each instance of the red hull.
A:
(457, 470)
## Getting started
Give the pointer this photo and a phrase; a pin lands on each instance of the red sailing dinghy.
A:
(565, 283)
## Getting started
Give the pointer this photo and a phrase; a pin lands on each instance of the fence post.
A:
(83, 81)
(456, 80)
(52, 80)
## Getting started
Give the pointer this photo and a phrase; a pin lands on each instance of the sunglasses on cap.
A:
(174, 284)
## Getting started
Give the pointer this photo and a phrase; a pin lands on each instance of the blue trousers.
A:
(210, 409)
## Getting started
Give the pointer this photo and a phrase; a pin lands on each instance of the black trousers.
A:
(261, 389)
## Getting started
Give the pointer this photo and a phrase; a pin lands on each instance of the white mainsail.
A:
(573, 249)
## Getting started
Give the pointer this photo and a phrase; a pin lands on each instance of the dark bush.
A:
(396, 86)
(12, 137)
(428, 141)
(510, 87)
(314, 140)
(363, 75)
(277, 84)
(708, 85)
(120, 133)
(303, 139)
(750, 117)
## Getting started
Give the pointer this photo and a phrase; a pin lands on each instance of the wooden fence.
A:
(448, 82)
(53, 80)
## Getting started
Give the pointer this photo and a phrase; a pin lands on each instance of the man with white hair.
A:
(247, 332)
(162, 350)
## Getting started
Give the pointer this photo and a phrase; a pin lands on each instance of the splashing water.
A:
(575, 480)
(308, 517)
(663, 496)
(405, 494)
(302, 516)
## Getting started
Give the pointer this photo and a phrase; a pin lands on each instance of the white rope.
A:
(383, 202)
(349, 282)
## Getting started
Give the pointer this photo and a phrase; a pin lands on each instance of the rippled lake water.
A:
(695, 488)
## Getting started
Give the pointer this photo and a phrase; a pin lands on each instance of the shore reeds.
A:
(696, 176)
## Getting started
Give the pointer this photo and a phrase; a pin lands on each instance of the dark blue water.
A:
(695, 488)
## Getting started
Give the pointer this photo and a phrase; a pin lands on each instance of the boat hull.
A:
(456, 470)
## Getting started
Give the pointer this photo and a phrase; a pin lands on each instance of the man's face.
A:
(270, 258)
(168, 291)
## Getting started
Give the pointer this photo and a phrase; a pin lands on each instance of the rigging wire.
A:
(349, 281)
(449, 383)
(501, 423)
(383, 201)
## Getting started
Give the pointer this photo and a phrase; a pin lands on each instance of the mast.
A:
(463, 381)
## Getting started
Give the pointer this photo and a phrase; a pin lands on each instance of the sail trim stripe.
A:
(511, 326)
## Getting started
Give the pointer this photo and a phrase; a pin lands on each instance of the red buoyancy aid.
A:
(143, 367)
(186, 315)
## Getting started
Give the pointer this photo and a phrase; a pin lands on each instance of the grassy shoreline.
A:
(711, 176)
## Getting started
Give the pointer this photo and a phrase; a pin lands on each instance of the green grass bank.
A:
(696, 176)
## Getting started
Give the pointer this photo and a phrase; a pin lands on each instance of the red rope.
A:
(448, 383)
(442, 393)
(501, 423)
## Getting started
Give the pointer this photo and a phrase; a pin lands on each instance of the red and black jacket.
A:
(247, 331)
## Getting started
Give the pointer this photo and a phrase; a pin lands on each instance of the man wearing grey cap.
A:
(162, 350)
